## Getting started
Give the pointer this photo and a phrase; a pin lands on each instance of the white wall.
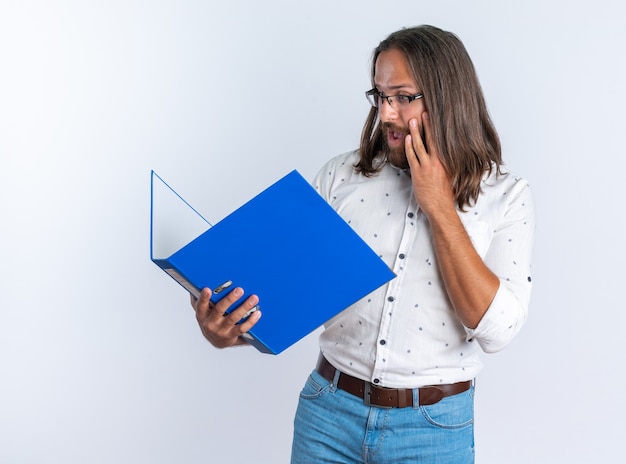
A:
(101, 360)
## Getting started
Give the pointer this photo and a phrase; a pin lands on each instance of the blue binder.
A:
(287, 245)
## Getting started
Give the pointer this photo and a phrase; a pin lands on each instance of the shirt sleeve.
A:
(324, 181)
(509, 257)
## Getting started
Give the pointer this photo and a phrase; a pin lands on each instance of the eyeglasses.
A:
(397, 102)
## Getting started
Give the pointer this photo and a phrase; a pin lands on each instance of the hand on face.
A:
(431, 183)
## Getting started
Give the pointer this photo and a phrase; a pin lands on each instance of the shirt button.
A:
(383, 342)
(402, 256)
(410, 215)
(390, 298)
(376, 380)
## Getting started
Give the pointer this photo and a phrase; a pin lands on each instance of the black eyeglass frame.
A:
(373, 94)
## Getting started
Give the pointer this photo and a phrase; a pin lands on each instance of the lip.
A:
(395, 137)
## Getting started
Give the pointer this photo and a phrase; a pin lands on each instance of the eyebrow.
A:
(396, 87)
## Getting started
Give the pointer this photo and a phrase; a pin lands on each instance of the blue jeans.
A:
(333, 426)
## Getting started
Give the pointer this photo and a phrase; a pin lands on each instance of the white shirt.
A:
(406, 334)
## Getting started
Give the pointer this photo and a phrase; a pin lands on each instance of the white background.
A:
(101, 360)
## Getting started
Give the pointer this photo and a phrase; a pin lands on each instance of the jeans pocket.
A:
(315, 386)
(453, 412)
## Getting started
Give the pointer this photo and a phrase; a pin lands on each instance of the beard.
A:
(393, 146)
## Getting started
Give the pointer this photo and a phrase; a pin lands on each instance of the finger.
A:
(415, 128)
(231, 297)
(245, 309)
(250, 322)
(409, 150)
(202, 303)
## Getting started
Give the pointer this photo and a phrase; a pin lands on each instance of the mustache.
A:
(386, 126)
(389, 126)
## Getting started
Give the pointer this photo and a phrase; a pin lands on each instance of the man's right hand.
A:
(220, 329)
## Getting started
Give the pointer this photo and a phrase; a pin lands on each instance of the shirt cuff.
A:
(502, 321)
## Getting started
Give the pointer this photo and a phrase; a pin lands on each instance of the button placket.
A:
(409, 235)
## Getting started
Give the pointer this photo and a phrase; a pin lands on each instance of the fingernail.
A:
(250, 311)
(413, 123)
(426, 115)
(238, 292)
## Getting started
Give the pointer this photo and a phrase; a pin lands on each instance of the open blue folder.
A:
(287, 245)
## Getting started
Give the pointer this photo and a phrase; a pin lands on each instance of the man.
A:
(429, 193)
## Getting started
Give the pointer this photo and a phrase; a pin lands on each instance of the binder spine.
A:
(258, 344)
(175, 274)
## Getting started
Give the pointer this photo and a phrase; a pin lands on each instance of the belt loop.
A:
(335, 381)
(416, 398)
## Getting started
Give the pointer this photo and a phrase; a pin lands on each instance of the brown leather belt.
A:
(382, 397)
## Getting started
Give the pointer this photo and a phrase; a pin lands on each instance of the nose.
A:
(387, 112)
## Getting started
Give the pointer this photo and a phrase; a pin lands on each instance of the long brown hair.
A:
(462, 130)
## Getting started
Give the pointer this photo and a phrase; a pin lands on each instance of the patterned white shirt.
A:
(406, 334)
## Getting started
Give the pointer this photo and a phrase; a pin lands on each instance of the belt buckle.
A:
(367, 395)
